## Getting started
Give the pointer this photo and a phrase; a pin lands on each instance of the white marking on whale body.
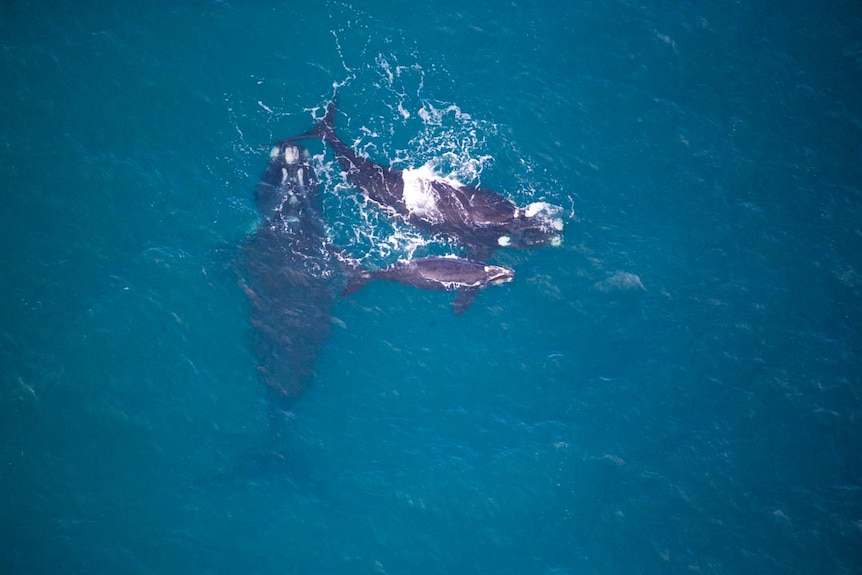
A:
(504, 241)
(273, 153)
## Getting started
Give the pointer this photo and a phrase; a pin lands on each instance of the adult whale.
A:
(290, 275)
(477, 218)
(448, 273)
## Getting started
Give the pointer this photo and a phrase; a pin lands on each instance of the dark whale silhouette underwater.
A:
(290, 275)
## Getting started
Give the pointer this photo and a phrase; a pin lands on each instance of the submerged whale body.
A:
(477, 218)
(289, 273)
(437, 273)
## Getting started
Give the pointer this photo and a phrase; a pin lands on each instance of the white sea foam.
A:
(548, 212)
(362, 229)
(420, 197)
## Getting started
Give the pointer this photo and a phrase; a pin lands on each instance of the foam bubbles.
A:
(420, 197)
(451, 142)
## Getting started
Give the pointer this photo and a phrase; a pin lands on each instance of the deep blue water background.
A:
(675, 389)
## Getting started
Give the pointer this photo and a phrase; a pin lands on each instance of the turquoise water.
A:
(674, 389)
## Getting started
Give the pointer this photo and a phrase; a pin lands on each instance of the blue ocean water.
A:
(674, 389)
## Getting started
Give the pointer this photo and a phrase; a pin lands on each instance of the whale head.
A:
(289, 184)
(497, 275)
(538, 224)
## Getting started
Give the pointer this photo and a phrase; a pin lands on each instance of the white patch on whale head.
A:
(504, 241)
(548, 213)
(545, 215)
(536, 208)
(291, 154)
(499, 275)
(273, 153)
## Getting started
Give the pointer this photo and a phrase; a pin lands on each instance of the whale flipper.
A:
(463, 300)
(356, 282)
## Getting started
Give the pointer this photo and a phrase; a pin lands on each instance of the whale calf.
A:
(450, 273)
(479, 219)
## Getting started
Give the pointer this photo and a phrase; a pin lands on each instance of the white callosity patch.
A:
(497, 275)
(547, 212)
(291, 154)
(549, 216)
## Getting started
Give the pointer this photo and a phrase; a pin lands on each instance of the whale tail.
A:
(356, 275)
(356, 282)
(323, 128)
